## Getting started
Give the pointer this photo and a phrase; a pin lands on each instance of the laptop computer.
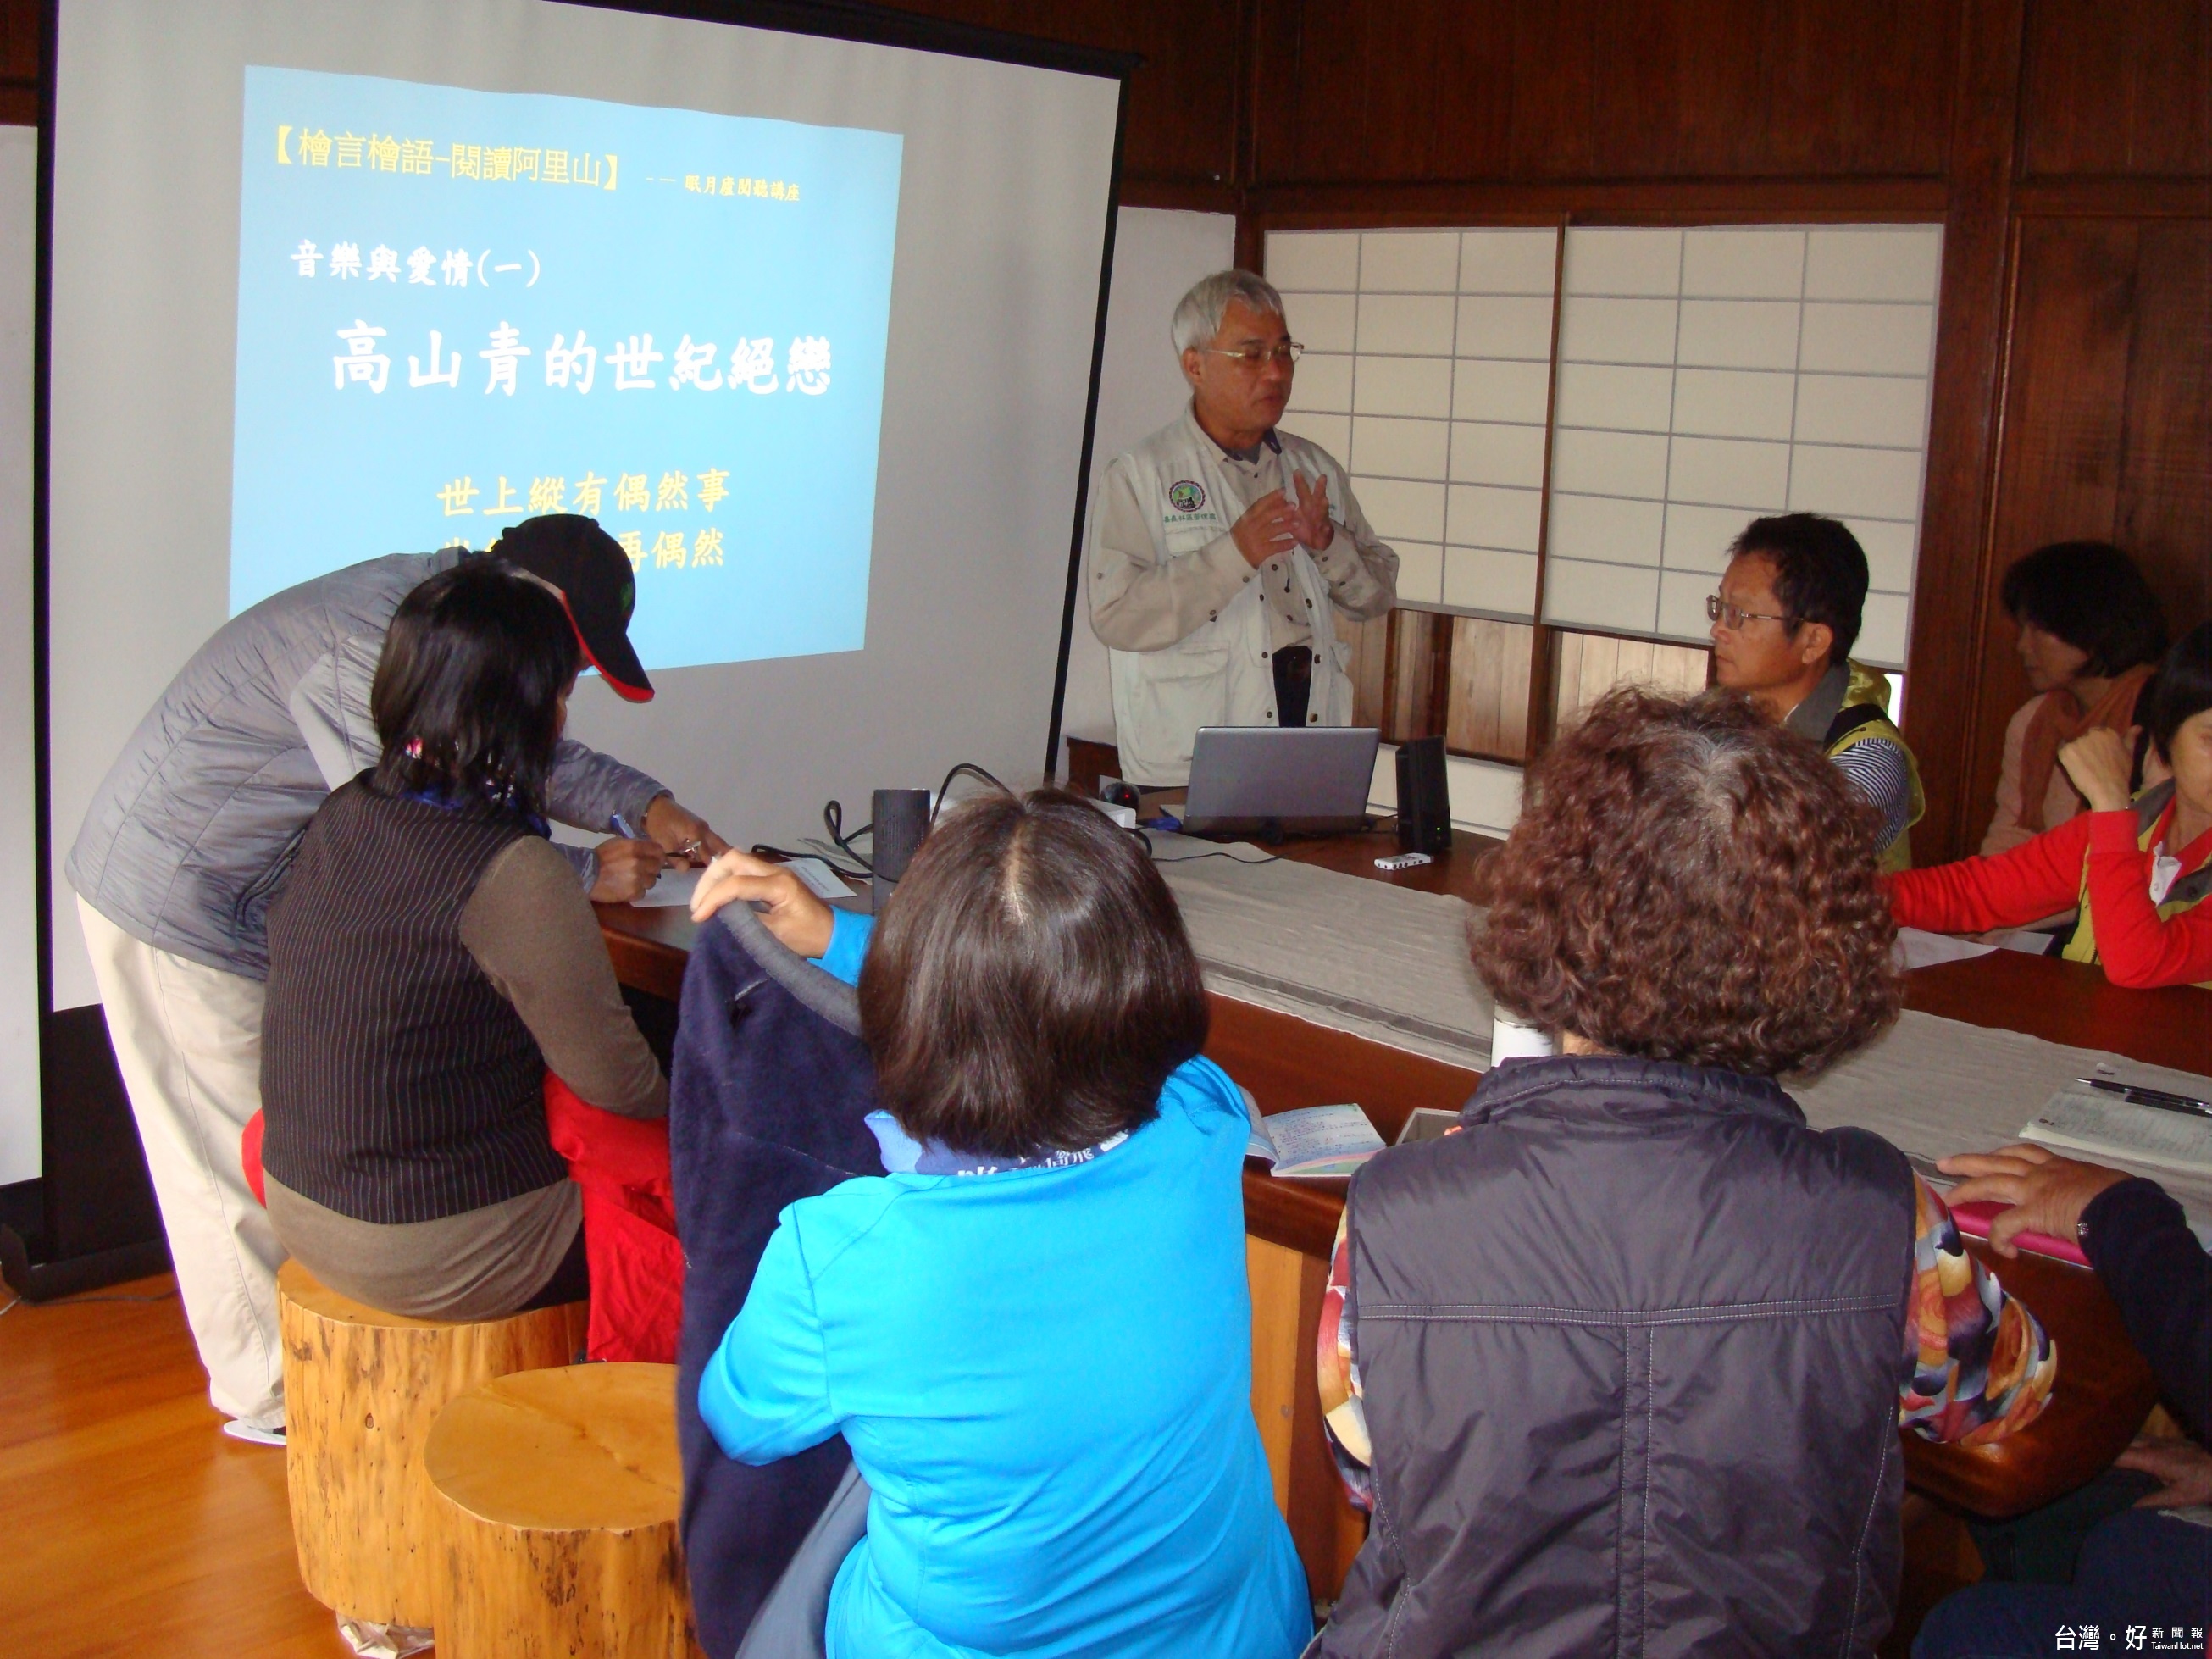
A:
(1273, 781)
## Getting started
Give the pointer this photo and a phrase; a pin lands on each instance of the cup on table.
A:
(1510, 1039)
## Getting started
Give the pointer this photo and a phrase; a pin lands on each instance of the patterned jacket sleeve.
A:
(1982, 1366)
(1343, 1414)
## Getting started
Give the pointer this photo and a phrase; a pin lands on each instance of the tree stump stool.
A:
(558, 1493)
(361, 1388)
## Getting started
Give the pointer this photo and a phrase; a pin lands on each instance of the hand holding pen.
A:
(628, 865)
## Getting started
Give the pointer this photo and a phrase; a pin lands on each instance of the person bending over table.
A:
(2139, 869)
(2144, 1567)
(1055, 1467)
(1783, 625)
(1618, 1365)
(191, 835)
(2090, 632)
(430, 957)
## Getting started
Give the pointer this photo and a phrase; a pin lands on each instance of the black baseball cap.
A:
(588, 568)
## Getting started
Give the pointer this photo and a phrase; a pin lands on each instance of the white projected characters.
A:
(808, 367)
(450, 375)
(362, 361)
(574, 367)
(383, 262)
(504, 351)
(630, 360)
(305, 257)
(345, 260)
(459, 261)
(692, 363)
(561, 362)
(420, 264)
(752, 365)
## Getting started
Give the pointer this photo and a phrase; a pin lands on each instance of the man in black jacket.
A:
(2144, 1581)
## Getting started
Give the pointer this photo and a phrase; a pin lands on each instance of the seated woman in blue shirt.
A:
(1035, 1332)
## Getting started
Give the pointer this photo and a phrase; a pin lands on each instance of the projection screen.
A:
(808, 323)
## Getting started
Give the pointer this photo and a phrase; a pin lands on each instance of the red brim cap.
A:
(587, 567)
(615, 657)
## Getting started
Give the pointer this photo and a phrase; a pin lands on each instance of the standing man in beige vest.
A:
(1224, 547)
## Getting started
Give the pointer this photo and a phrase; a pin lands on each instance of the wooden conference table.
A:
(2104, 1389)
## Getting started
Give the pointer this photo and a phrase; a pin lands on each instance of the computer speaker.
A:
(900, 819)
(1423, 800)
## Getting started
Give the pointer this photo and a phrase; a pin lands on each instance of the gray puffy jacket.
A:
(195, 825)
(1631, 1345)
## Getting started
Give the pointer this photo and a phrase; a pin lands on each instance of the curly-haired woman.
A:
(1619, 1364)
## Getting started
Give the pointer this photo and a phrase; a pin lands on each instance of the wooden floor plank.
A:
(134, 1525)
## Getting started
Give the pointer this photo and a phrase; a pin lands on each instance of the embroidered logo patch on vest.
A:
(1186, 496)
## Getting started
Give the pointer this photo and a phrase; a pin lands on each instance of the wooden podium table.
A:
(2103, 1387)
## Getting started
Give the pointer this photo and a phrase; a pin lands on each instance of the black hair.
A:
(467, 693)
(2090, 595)
(2182, 687)
(1819, 572)
(1031, 985)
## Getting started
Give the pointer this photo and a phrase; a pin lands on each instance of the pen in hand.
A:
(622, 828)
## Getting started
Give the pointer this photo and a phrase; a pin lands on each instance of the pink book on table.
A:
(1974, 1220)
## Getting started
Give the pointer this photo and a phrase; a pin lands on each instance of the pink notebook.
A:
(1974, 1222)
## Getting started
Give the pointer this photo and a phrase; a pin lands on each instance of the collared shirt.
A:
(1875, 767)
(1140, 601)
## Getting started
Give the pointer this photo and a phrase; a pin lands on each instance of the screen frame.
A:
(94, 1210)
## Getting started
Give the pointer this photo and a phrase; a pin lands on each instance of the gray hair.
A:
(1198, 317)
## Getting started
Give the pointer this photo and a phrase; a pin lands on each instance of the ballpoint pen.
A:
(688, 851)
(2137, 1094)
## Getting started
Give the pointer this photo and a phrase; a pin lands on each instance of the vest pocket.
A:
(1180, 690)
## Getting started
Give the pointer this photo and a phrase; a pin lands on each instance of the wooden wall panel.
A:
(1591, 664)
(1417, 692)
(1491, 662)
(2164, 512)
(2117, 90)
(1419, 90)
(2107, 431)
(19, 61)
(1370, 668)
(1182, 101)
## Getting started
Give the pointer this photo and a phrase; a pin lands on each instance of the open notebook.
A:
(2159, 1128)
(1314, 1143)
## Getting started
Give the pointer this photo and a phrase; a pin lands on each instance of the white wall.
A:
(19, 941)
(1158, 255)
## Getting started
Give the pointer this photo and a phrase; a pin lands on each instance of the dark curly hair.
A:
(1690, 882)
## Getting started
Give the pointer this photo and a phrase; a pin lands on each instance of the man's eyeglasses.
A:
(1254, 357)
(1729, 617)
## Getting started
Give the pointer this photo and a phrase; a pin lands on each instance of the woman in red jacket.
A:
(2139, 870)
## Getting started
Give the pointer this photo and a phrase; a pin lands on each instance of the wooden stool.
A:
(361, 1388)
(558, 1493)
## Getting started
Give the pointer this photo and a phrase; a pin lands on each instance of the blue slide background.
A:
(748, 511)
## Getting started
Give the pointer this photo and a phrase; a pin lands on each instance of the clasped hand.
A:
(1272, 525)
(793, 914)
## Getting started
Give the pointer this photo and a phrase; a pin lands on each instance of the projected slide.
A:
(456, 309)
